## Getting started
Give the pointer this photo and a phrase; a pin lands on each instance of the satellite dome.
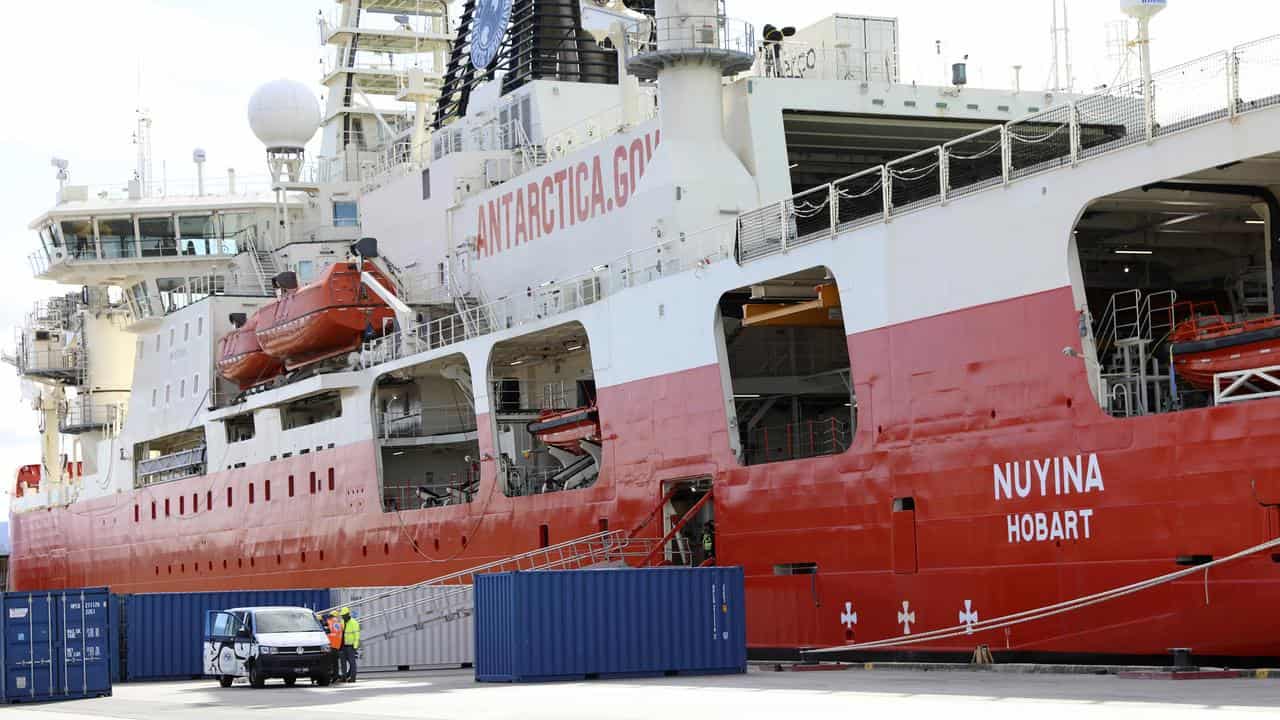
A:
(284, 114)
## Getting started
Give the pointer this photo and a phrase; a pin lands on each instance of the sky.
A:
(193, 65)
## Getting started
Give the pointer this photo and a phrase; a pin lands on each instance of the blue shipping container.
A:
(57, 644)
(163, 632)
(573, 624)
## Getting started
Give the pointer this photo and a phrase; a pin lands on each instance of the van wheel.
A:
(321, 680)
(256, 677)
(225, 680)
(290, 680)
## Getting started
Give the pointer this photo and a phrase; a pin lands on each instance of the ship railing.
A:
(326, 232)
(1213, 88)
(200, 287)
(84, 414)
(65, 364)
(427, 421)
(174, 466)
(230, 185)
(448, 488)
(1251, 384)
(696, 32)
(555, 297)
(793, 441)
(449, 596)
(512, 395)
(602, 125)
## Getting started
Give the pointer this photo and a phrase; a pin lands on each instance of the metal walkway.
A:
(449, 597)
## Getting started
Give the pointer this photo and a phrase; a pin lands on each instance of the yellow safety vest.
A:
(351, 633)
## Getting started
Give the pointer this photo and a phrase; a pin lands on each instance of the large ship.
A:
(905, 353)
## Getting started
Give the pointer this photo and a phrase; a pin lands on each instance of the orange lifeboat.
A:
(1208, 343)
(564, 429)
(325, 318)
(241, 358)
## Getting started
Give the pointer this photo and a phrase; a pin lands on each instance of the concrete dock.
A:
(449, 694)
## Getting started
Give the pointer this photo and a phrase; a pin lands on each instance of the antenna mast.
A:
(1060, 36)
(142, 139)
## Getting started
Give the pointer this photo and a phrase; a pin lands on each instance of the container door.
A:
(28, 646)
(220, 652)
(87, 650)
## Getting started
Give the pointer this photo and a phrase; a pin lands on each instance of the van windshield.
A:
(282, 621)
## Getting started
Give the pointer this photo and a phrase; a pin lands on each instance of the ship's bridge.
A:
(106, 242)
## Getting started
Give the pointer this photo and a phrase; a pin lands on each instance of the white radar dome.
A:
(284, 114)
(1142, 8)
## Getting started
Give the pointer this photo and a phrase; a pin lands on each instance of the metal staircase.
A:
(1130, 336)
(264, 265)
(449, 597)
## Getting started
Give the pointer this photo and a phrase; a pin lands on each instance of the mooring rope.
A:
(1050, 610)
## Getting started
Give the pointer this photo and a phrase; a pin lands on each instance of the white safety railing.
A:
(602, 125)
(697, 32)
(1216, 87)
(1251, 384)
(555, 297)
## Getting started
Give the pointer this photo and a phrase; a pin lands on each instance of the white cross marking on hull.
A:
(848, 618)
(968, 616)
(906, 617)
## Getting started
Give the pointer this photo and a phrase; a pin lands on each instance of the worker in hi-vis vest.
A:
(350, 645)
(333, 628)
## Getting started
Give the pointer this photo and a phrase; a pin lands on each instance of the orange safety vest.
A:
(334, 627)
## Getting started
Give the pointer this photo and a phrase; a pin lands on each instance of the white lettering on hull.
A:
(1057, 476)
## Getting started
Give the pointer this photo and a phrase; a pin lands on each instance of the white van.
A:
(267, 642)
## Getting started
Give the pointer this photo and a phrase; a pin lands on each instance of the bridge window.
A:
(426, 428)
(545, 415)
(239, 428)
(158, 236)
(78, 238)
(117, 237)
(1179, 289)
(785, 357)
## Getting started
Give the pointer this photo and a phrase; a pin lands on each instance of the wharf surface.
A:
(761, 693)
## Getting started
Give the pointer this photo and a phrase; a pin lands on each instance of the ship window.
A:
(239, 428)
(306, 271)
(199, 326)
(1170, 281)
(166, 507)
(797, 568)
(228, 497)
(195, 502)
(200, 235)
(78, 236)
(182, 388)
(195, 383)
(137, 513)
(158, 237)
(313, 483)
(784, 356)
(208, 499)
(345, 214)
(117, 237)
(153, 509)
(330, 479)
(290, 486)
(546, 422)
(251, 493)
(182, 504)
(310, 410)
(186, 331)
(173, 333)
(155, 392)
(266, 491)
(168, 391)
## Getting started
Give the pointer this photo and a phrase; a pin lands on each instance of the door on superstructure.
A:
(689, 521)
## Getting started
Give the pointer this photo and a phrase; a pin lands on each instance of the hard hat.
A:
(346, 611)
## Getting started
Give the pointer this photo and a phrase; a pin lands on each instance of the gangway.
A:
(449, 597)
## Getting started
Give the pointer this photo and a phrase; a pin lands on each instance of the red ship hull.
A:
(323, 319)
(942, 402)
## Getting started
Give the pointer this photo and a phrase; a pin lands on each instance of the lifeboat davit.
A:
(325, 318)
(564, 429)
(241, 358)
(1208, 344)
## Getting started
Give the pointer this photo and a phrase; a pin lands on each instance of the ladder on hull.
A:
(449, 597)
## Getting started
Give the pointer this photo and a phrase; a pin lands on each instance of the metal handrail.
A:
(1216, 87)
